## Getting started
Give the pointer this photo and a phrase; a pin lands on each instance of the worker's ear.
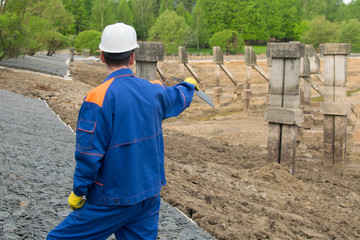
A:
(132, 58)
(102, 57)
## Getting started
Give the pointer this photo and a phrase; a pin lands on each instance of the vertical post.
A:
(146, 57)
(305, 92)
(335, 108)
(313, 62)
(218, 58)
(283, 113)
(247, 91)
(183, 57)
(71, 54)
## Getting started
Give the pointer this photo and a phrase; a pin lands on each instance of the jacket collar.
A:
(119, 73)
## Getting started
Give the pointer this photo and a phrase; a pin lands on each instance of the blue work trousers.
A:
(138, 221)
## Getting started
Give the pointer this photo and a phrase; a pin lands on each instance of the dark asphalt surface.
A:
(37, 165)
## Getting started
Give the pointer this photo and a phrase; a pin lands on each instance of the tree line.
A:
(27, 26)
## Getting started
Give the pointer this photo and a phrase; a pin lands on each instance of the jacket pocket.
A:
(85, 134)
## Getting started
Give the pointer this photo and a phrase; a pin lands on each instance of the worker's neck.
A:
(111, 69)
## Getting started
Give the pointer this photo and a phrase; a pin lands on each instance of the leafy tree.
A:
(229, 41)
(88, 39)
(354, 9)
(25, 23)
(144, 16)
(319, 31)
(215, 14)
(54, 40)
(350, 33)
(166, 5)
(80, 14)
(125, 14)
(181, 11)
(171, 29)
(200, 31)
(102, 14)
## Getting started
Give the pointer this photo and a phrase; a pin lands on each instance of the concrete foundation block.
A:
(150, 52)
(335, 49)
(284, 115)
(339, 109)
(286, 50)
(250, 57)
(218, 55)
(183, 57)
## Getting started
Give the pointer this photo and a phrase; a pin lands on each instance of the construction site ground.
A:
(216, 159)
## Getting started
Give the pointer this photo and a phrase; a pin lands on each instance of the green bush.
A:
(55, 41)
(229, 41)
(88, 39)
(350, 33)
(320, 31)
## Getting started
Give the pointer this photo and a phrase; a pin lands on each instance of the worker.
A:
(119, 148)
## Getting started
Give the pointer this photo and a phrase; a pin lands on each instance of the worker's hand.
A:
(193, 81)
(75, 202)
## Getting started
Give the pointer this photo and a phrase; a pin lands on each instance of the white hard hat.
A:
(118, 38)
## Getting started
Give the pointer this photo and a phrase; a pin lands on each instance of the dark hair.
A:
(117, 59)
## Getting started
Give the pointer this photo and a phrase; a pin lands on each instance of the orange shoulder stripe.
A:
(157, 82)
(97, 95)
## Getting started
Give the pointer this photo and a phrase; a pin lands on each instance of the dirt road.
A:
(216, 160)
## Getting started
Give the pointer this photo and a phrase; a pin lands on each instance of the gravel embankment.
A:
(55, 65)
(37, 164)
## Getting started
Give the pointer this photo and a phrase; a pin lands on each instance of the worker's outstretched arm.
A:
(178, 98)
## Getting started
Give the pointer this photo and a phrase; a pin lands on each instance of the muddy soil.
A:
(216, 158)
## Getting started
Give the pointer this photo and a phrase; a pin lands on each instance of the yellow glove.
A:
(75, 202)
(193, 81)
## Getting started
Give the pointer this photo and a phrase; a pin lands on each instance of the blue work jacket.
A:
(119, 143)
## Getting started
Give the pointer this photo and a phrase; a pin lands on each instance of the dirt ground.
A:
(215, 159)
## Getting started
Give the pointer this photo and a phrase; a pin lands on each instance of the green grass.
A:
(204, 51)
(259, 49)
(348, 94)
(355, 50)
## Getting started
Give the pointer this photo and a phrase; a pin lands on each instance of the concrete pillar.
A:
(306, 88)
(146, 58)
(239, 92)
(71, 54)
(247, 92)
(250, 57)
(335, 107)
(283, 113)
(217, 93)
(183, 58)
(218, 58)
